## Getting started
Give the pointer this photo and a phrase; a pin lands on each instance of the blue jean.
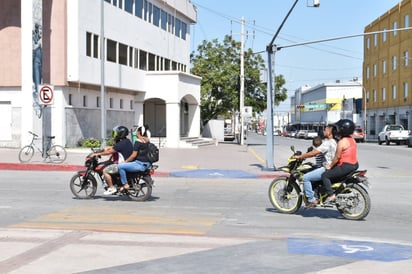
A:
(134, 166)
(314, 175)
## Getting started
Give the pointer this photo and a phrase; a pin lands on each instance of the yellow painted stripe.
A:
(260, 159)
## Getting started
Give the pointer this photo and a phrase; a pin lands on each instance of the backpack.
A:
(152, 153)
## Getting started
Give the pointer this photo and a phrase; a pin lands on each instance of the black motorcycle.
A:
(84, 183)
(352, 199)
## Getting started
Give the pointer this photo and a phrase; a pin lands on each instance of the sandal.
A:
(124, 188)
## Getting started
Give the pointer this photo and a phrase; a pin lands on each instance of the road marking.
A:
(133, 220)
(260, 159)
(356, 248)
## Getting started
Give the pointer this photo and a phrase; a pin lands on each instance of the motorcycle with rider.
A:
(137, 184)
(338, 183)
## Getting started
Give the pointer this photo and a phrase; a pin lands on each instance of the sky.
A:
(300, 65)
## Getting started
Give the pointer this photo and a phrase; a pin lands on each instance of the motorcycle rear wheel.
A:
(140, 190)
(361, 205)
(83, 188)
(284, 200)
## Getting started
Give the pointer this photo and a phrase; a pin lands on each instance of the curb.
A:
(66, 167)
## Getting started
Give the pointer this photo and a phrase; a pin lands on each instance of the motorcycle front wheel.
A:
(140, 190)
(358, 204)
(83, 188)
(285, 198)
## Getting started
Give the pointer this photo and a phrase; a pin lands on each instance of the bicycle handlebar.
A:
(34, 134)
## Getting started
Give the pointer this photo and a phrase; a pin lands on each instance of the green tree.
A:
(219, 66)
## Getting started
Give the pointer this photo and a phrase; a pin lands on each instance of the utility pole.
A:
(102, 92)
(242, 80)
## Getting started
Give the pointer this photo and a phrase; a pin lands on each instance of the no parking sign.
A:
(46, 95)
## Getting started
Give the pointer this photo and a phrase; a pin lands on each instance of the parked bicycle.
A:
(54, 153)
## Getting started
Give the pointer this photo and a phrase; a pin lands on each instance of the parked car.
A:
(359, 135)
(393, 133)
(301, 134)
(310, 134)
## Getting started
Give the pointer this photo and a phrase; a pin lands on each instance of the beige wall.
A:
(10, 43)
(54, 42)
(393, 46)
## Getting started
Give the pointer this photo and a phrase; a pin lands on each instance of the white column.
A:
(172, 125)
(194, 118)
(26, 70)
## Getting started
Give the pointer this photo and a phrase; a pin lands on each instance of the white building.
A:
(326, 103)
(146, 69)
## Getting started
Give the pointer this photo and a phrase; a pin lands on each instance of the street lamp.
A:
(271, 50)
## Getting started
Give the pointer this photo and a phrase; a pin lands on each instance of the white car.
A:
(310, 134)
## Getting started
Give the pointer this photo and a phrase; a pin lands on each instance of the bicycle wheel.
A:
(26, 153)
(57, 154)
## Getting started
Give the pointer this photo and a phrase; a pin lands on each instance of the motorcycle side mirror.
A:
(310, 149)
(292, 148)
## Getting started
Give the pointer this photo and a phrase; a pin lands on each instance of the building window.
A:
(123, 54)
(405, 58)
(383, 94)
(111, 103)
(405, 90)
(142, 60)
(383, 66)
(136, 58)
(152, 62)
(130, 57)
(170, 23)
(138, 8)
(92, 45)
(131, 104)
(406, 21)
(98, 101)
(184, 31)
(374, 95)
(395, 27)
(177, 27)
(375, 69)
(111, 50)
(128, 6)
(150, 13)
(384, 35)
(145, 10)
(367, 72)
(121, 103)
(84, 101)
(368, 43)
(375, 39)
(167, 64)
(163, 20)
(156, 15)
(393, 62)
(70, 103)
(393, 92)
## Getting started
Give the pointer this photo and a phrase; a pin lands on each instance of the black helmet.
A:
(345, 127)
(120, 132)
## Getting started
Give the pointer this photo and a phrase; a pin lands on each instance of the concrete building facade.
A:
(387, 69)
(313, 107)
(146, 51)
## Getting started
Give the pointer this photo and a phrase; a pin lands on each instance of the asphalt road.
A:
(194, 225)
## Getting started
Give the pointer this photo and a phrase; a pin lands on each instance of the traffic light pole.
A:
(271, 94)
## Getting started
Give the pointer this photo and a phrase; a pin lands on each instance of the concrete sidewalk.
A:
(226, 160)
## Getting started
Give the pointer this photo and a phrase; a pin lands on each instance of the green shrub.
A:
(89, 142)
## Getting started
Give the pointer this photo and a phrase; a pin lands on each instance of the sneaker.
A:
(110, 191)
